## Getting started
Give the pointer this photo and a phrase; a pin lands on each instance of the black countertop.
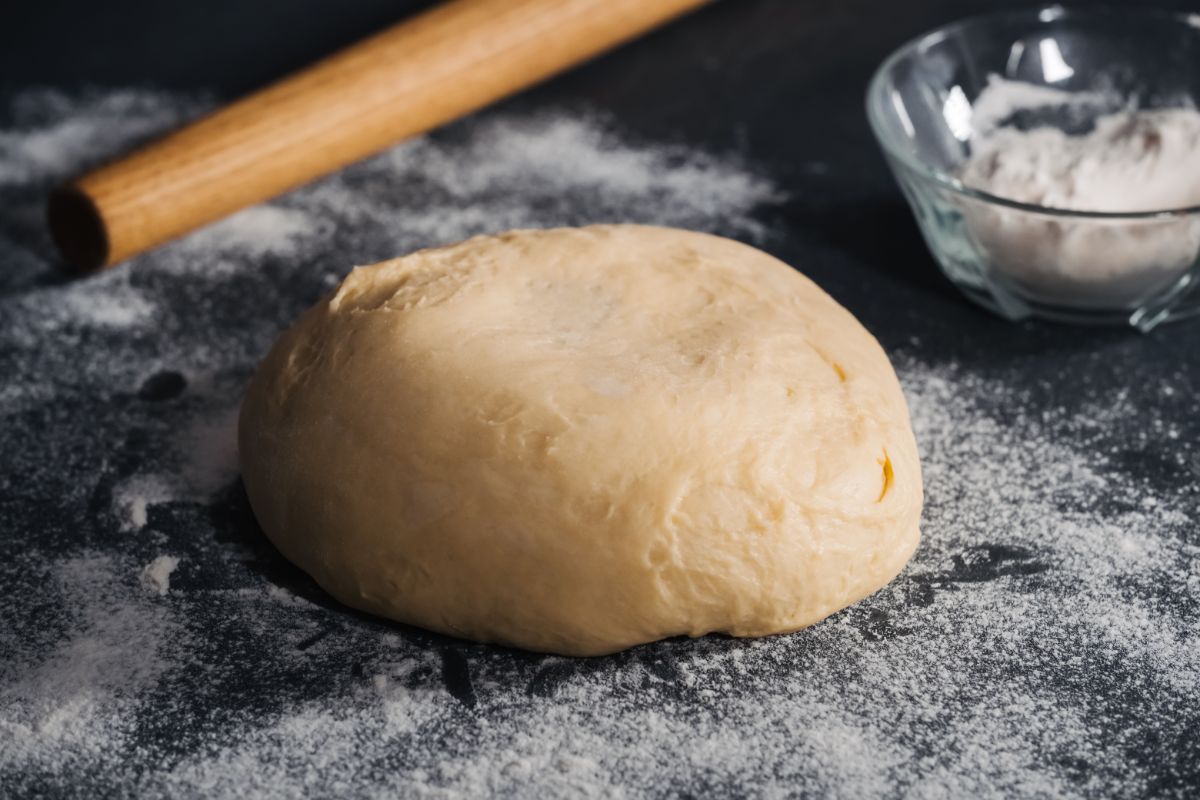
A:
(1045, 640)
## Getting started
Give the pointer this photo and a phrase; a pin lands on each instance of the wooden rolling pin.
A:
(408, 79)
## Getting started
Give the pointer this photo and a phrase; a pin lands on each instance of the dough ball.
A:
(578, 440)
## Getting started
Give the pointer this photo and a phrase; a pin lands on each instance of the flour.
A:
(1131, 161)
(156, 576)
(1029, 648)
(75, 699)
(133, 498)
(1128, 162)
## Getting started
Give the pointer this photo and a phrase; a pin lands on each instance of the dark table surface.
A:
(1043, 642)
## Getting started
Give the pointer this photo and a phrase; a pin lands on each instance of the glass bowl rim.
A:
(1038, 14)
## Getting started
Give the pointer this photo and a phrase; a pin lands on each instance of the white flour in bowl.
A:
(1129, 162)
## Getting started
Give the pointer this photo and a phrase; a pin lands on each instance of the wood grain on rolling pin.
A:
(405, 80)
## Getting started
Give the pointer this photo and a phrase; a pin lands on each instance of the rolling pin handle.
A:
(77, 228)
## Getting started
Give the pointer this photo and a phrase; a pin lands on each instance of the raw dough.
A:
(578, 440)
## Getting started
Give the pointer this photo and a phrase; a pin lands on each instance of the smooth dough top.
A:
(578, 440)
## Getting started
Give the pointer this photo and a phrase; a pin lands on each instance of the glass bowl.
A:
(934, 100)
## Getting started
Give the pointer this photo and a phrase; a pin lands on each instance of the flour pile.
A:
(1126, 161)
(1031, 646)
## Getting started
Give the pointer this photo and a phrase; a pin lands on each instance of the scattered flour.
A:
(75, 700)
(54, 134)
(209, 446)
(1029, 649)
(156, 576)
(133, 498)
(258, 230)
